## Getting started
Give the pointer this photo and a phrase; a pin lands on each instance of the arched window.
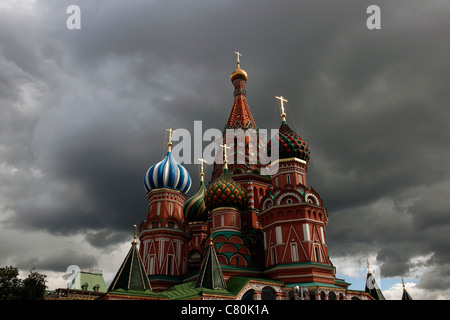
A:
(322, 295)
(248, 295)
(331, 295)
(267, 293)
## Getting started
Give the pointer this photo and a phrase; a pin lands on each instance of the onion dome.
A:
(167, 173)
(291, 144)
(238, 74)
(225, 192)
(194, 208)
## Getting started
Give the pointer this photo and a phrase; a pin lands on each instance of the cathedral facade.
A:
(245, 235)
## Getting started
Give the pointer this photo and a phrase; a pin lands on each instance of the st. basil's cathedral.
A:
(245, 235)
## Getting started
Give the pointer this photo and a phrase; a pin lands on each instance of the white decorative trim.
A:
(309, 194)
(288, 194)
(267, 204)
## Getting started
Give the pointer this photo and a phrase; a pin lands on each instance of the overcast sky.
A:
(83, 115)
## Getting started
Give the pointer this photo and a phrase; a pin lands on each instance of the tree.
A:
(13, 288)
(33, 287)
(9, 283)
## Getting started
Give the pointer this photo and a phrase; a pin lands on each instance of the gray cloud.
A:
(84, 113)
(59, 262)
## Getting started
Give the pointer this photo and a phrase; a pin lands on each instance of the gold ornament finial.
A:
(201, 168)
(238, 73)
(211, 240)
(224, 146)
(135, 235)
(403, 283)
(283, 114)
(169, 145)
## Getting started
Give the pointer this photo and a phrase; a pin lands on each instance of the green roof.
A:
(211, 276)
(186, 291)
(93, 280)
(234, 285)
(131, 275)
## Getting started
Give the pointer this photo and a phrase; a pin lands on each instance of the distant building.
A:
(88, 284)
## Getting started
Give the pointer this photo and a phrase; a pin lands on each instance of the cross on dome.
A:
(238, 54)
(201, 167)
(170, 139)
(224, 146)
(283, 114)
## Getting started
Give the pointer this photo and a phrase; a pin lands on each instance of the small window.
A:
(316, 249)
(170, 265)
(288, 178)
(171, 224)
(274, 256)
(294, 252)
(155, 224)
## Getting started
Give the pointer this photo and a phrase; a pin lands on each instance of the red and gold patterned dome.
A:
(225, 192)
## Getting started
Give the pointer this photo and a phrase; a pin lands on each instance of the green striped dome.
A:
(225, 192)
(194, 208)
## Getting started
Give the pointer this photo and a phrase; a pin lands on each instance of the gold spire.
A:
(135, 235)
(169, 145)
(283, 114)
(211, 240)
(201, 168)
(403, 283)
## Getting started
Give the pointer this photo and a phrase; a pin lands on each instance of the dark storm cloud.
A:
(58, 262)
(373, 105)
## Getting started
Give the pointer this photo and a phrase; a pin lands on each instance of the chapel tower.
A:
(242, 138)
(164, 234)
(293, 217)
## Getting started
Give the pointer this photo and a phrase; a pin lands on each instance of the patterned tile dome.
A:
(225, 192)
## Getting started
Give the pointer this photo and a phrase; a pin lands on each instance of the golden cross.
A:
(238, 54)
(201, 167)
(170, 139)
(224, 146)
(283, 114)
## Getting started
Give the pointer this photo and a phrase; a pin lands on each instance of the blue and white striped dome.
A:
(167, 174)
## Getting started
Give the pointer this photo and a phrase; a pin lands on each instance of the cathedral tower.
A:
(293, 217)
(164, 234)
